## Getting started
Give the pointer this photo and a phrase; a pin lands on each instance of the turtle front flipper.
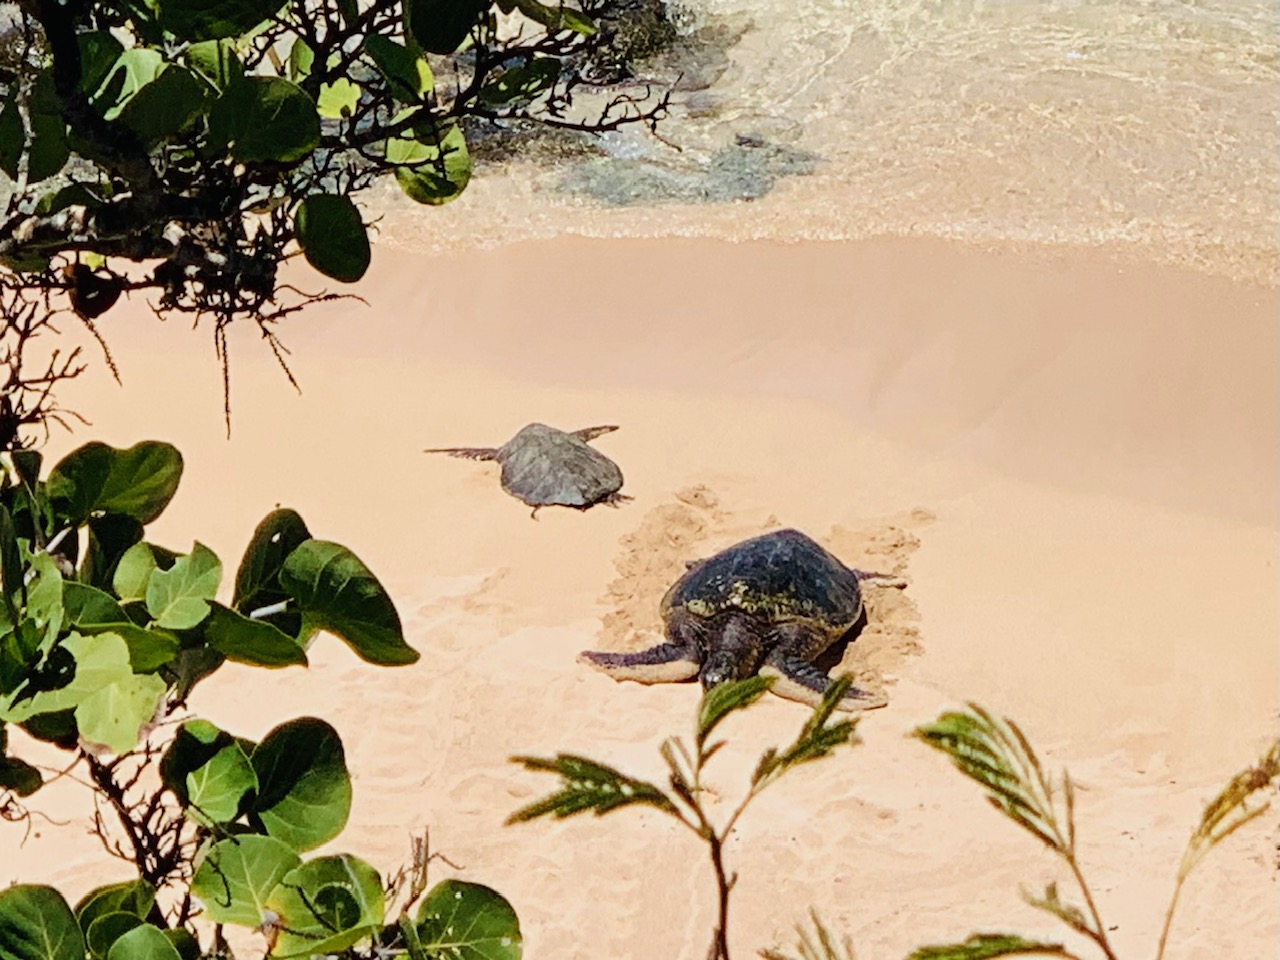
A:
(587, 434)
(467, 453)
(801, 681)
(665, 663)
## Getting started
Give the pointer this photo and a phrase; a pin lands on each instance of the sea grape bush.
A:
(211, 138)
(103, 635)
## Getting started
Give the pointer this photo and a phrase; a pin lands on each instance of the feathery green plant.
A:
(995, 753)
(820, 946)
(590, 786)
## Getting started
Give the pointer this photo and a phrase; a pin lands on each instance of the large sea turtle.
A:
(546, 467)
(769, 605)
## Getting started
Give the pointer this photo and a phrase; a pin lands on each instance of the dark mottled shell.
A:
(544, 466)
(779, 576)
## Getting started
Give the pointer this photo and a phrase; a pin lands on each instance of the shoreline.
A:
(504, 210)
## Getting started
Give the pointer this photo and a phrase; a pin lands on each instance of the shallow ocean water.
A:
(1150, 127)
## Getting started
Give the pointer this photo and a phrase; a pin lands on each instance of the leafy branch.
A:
(587, 785)
(1226, 813)
(820, 946)
(997, 755)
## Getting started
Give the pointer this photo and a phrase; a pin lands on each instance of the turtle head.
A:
(723, 666)
(735, 651)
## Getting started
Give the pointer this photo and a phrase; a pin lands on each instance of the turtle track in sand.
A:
(694, 524)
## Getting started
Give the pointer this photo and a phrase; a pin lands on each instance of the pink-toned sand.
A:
(1074, 463)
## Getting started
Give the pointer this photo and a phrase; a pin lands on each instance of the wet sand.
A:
(1073, 462)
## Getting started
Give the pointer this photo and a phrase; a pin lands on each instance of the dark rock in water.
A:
(746, 170)
(629, 32)
(769, 605)
(546, 467)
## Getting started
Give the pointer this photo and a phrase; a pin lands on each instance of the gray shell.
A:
(777, 577)
(544, 466)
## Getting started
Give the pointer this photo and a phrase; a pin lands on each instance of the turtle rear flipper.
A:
(467, 453)
(890, 580)
(665, 663)
(587, 434)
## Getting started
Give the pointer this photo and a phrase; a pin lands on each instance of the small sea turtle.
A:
(769, 605)
(544, 466)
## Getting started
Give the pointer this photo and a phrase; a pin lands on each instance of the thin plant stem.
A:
(1098, 932)
(1168, 917)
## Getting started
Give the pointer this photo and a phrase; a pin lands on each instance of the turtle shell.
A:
(779, 576)
(544, 466)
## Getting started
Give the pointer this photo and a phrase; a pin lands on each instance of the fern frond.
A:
(987, 946)
(996, 755)
(820, 946)
(588, 786)
(816, 739)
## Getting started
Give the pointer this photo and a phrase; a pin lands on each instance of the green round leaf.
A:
(197, 742)
(326, 905)
(338, 593)
(178, 597)
(214, 19)
(430, 171)
(216, 61)
(88, 606)
(440, 26)
(11, 571)
(13, 137)
(114, 715)
(333, 236)
(97, 662)
(301, 60)
(37, 924)
(188, 947)
(265, 119)
(190, 666)
(165, 106)
(106, 929)
(468, 921)
(338, 99)
(237, 875)
(251, 641)
(110, 536)
(133, 70)
(99, 53)
(143, 943)
(258, 577)
(407, 74)
(19, 777)
(132, 896)
(133, 572)
(209, 771)
(138, 482)
(150, 648)
(49, 150)
(304, 789)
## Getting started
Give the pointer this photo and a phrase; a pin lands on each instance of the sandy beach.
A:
(1074, 463)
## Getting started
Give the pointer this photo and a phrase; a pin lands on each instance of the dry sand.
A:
(1074, 463)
